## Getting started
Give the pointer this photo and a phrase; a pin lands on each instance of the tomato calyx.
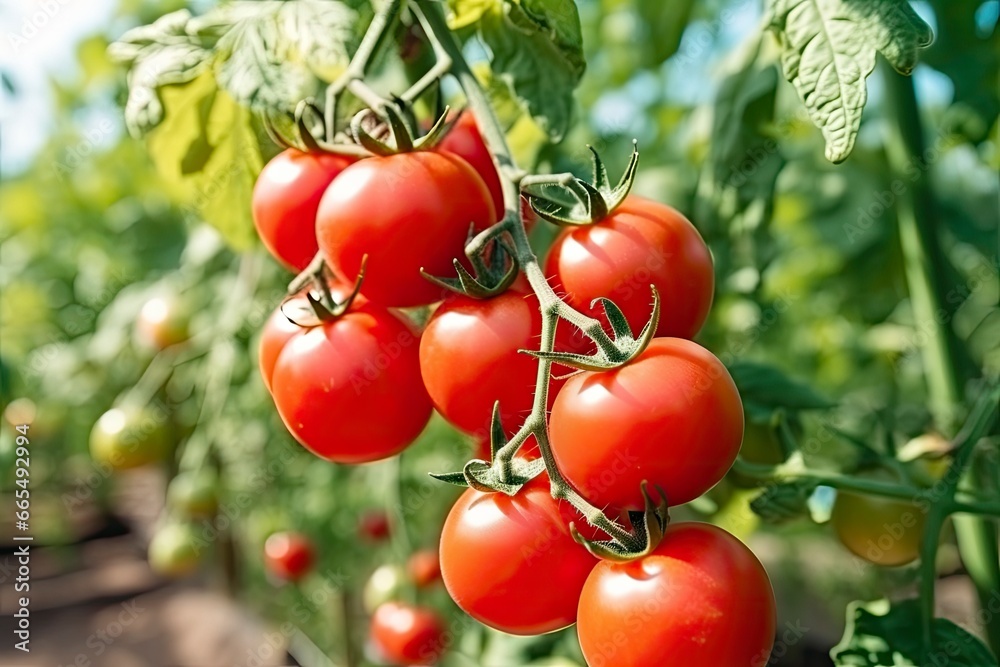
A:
(309, 132)
(611, 352)
(502, 474)
(495, 268)
(566, 200)
(309, 310)
(648, 527)
(394, 131)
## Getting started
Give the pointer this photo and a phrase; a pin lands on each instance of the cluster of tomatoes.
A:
(360, 385)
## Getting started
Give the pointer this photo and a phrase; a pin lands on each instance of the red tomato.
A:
(465, 141)
(285, 199)
(469, 359)
(641, 243)
(701, 598)
(672, 417)
(406, 212)
(289, 556)
(349, 389)
(511, 563)
(405, 635)
(424, 567)
(374, 526)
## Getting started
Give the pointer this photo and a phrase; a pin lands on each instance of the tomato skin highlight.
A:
(407, 635)
(672, 417)
(286, 197)
(406, 212)
(349, 390)
(883, 531)
(511, 563)
(701, 598)
(289, 556)
(641, 243)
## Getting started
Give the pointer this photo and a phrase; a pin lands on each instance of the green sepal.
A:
(610, 353)
(591, 202)
(648, 527)
(439, 130)
(491, 278)
(320, 308)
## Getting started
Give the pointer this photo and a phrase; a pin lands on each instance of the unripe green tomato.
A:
(194, 493)
(884, 531)
(760, 445)
(162, 322)
(175, 551)
(128, 437)
(554, 662)
(385, 585)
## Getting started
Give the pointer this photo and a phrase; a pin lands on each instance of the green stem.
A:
(552, 307)
(925, 264)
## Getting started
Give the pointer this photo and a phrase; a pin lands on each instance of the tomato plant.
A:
(129, 437)
(289, 556)
(162, 322)
(333, 383)
(701, 598)
(407, 213)
(672, 417)
(880, 530)
(406, 635)
(424, 568)
(286, 199)
(495, 550)
(175, 551)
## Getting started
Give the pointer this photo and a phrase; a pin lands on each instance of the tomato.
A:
(511, 563)
(641, 243)
(285, 200)
(349, 389)
(387, 583)
(407, 635)
(884, 531)
(175, 551)
(701, 598)
(469, 359)
(289, 556)
(406, 212)
(374, 526)
(163, 321)
(465, 141)
(424, 568)
(194, 493)
(672, 417)
(129, 437)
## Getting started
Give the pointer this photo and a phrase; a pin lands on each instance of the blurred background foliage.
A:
(808, 258)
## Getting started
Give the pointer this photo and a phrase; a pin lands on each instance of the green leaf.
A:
(272, 55)
(764, 386)
(465, 13)
(207, 151)
(879, 634)
(537, 49)
(828, 50)
(162, 53)
(783, 501)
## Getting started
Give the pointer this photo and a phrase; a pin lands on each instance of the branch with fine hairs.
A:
(552, 308)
